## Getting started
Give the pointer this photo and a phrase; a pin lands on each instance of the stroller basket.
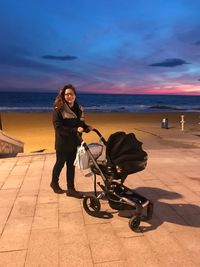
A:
(96, 149)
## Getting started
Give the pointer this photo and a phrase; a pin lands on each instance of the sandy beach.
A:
(37, 133)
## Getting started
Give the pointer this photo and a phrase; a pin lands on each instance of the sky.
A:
(107, 46)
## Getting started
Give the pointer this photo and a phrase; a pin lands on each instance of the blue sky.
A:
(111, 46)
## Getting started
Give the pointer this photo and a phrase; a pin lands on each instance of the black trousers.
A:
(61, 159)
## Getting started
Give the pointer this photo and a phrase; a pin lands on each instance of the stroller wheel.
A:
(134, 223)
(91, 204)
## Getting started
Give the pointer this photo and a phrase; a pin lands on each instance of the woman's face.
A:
(70, 97)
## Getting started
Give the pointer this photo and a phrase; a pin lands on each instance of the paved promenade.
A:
(40, 228)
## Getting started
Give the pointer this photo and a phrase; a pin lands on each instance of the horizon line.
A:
(100, 93)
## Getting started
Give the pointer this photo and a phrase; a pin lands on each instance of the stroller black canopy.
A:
(125, 151)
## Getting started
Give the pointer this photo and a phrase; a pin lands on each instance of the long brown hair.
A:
(60, 98)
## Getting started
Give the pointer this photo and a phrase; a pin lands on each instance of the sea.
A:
(43, 101)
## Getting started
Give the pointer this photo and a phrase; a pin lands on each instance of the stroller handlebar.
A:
(100, 135)
(97, 132)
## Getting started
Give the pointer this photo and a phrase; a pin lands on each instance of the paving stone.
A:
(13, 181)
(133, 181)
(46, 216)
(104, 243)
(189, 240)
(19, 170)
(197, 193)
(44, 196)
(72, 228)
(187, 194)
(4, 175)
(35, 169)
(30, 186)
(122, 229)
(156, 183)
(177, 259)
(69, 204)
(192, 182)
(7, 197)
(43, 248)
(194, 257)
(12, 258)
(7, 166)
(167, 177)
(163, 241)
(16, 234)
(138, 252)
(24, 206)
(146, 175)
(74, 255)
(102, 217)
(5, 212)
(111, 264)
(189, 212)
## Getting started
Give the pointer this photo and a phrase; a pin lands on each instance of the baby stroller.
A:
(124, 156)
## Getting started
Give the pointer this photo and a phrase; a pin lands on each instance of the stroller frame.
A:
(119, 196)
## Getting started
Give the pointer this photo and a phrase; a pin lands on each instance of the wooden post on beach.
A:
(1, 128)
(182, 122)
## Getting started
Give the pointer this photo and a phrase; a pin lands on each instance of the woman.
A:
(68, 121)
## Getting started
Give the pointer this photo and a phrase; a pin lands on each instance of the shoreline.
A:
(35, 129)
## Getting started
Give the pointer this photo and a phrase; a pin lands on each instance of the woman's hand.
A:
(80, 129)
(90, 128)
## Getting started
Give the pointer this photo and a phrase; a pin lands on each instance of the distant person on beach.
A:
(68, 121)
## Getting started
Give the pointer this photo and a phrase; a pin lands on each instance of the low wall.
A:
(9, 145)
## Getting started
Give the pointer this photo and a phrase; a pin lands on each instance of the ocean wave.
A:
(166, 107)
(25, 109)
(186, 108)
(42, 102)
(108, 108)
(116, 108)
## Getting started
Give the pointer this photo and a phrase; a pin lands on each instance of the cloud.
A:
(62, 58)
(170, 62)
(23, 62)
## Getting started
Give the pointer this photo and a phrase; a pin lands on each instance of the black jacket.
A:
(66, 121)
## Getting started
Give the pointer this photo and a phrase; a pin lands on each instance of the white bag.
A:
(82, 158)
